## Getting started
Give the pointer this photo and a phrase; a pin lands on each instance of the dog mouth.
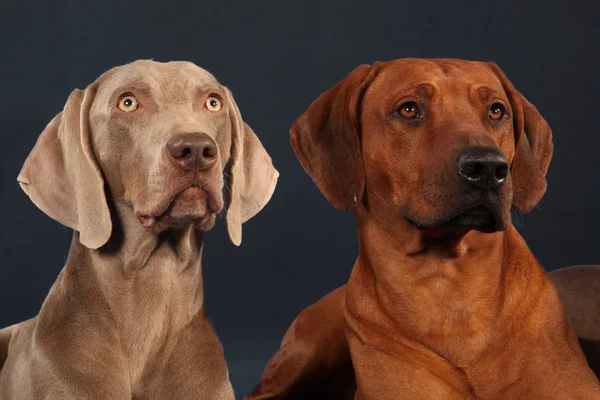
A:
(481, 217)
(194, 204)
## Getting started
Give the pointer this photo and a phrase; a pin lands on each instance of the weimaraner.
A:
(134, 164)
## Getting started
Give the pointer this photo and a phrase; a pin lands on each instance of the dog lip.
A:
(165, 209)
(413, 222)
(480, 216)
(478, 209)
(148, 219)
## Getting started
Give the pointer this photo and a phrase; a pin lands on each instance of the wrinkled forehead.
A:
(456, 77)
(175, 82)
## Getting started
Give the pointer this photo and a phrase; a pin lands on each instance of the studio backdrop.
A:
(277, 57)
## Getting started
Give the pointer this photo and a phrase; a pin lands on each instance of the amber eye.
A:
(409, 110)
(496, 112)
(128, 103)
(213, 103)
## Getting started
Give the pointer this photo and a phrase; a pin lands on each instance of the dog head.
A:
(437, 143)
(157, 136)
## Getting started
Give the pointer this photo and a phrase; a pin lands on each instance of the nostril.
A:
(186, 152)
(476, 169)
(472, 169)
(179, 149)
(209, 152)
(501, 172)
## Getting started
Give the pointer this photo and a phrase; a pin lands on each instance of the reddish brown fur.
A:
(433, 313)
(579, 290)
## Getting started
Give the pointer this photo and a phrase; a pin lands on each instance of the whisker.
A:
(517, 219)
(516, 189)
(523, 192)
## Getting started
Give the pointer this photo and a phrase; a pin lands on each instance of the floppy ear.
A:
(252, 177)
(533, 149)
(326, 140)
(62, 177)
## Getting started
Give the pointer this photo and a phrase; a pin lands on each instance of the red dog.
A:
(445, 300)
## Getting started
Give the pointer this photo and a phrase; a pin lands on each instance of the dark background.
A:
(277, 57)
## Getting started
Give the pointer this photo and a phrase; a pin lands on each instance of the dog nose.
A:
(483, 167)
(192, 151)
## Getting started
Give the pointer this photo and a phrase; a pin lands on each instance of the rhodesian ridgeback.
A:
(579, 290)
(134, 164)
(445, 300)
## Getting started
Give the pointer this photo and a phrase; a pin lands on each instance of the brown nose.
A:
(193, 151)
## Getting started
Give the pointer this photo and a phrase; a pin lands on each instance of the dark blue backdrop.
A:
(278, 56)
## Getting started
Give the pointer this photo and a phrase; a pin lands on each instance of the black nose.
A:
(192, 151)
(483, 167)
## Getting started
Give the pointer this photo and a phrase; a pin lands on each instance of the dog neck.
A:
(432, 286)
(141, 286)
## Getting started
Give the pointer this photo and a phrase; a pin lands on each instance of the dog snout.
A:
(192, 151)
(482, 167)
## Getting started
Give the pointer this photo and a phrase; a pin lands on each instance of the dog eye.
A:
(128, 103)
(213, 103)
(496, 112)
(409, 110)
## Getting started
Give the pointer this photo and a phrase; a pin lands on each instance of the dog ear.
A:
(252, 177)
(533, 149)
(62, 177)
(326, 140)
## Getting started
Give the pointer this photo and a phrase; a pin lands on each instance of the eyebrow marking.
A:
(422, 89)
(486, 92)
(136, 87)
(209, 88)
